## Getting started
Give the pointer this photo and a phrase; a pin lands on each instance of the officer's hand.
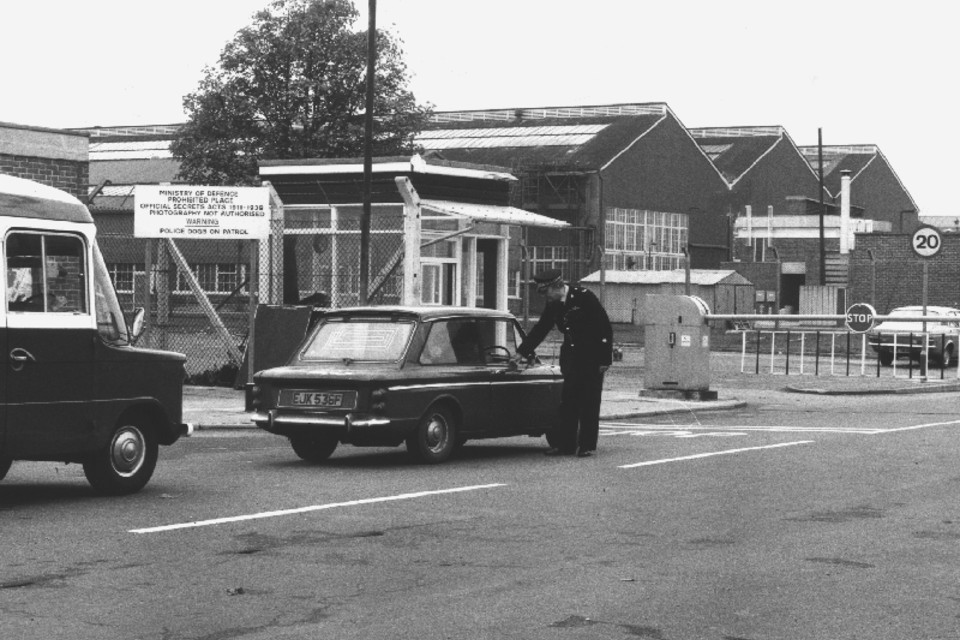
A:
(603, 368)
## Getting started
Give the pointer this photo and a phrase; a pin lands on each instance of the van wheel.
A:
(315, 449)
(126, 464)
(5, 464)
(435, 438)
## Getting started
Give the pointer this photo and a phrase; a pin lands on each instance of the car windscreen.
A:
(358, 340)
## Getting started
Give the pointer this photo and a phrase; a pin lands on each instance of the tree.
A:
(292, 85)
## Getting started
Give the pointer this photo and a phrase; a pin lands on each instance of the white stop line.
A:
(713, 453)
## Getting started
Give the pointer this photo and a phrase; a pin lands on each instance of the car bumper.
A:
(352, 428)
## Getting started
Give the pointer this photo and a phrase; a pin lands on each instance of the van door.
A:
(49, 344)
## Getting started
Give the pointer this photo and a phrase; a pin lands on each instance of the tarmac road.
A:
(801, 516)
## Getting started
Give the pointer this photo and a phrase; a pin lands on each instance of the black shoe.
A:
(584, 453)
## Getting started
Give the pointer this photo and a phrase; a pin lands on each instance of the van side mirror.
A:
(136, 325)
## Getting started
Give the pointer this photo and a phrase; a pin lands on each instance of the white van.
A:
(74, 389)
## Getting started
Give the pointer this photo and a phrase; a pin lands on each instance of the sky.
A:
(864, 72)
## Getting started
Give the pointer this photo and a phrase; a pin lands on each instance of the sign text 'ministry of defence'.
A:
(209, 213)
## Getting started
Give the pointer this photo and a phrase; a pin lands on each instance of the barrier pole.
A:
(757, 371)
(788, 352)
(803, 336)
(773, 344)
(894, 355)
(833, 350)
(816, 356)
(743, 351)
(863, 354)
(879, 343)
(847, 374)
(910, 357)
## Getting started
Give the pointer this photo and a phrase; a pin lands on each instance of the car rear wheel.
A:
(126, 464)
(315, 449)
(435, 437)
(5, 464)
(886, 358)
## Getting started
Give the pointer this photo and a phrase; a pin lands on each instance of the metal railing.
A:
(784, 346)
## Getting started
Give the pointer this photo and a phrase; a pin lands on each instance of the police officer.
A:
(586, 354)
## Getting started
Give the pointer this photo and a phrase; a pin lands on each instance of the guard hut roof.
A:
(340, 181)
(27, 199)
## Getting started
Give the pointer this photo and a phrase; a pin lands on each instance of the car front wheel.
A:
(315, 449)
(435, 437)
(126, 464)
(5, 464)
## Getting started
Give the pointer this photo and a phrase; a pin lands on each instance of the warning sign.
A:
(211, 213)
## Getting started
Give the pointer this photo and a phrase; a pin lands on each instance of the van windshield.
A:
(110, 322)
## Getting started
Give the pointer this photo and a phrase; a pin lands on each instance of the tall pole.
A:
(823, 242)
(368, 154)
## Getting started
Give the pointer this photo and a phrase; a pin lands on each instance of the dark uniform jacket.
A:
(587, 334)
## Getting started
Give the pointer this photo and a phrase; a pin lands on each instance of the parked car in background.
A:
(895, 338)
(429, 377)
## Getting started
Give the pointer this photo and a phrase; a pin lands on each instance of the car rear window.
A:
(359, 340)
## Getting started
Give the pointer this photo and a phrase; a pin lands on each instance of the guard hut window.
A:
(45, 273)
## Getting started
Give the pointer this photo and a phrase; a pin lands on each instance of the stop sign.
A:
(860, 317)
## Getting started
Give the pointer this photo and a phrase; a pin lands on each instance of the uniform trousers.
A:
(579, 421)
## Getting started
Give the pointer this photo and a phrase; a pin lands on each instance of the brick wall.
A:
(899, 272)
(70, 176)
(53, 157)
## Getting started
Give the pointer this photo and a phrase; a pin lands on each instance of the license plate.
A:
(319, 399)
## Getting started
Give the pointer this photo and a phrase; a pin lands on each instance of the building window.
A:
(123, 274)
(547, 257)
(221, 277)
(645, 240)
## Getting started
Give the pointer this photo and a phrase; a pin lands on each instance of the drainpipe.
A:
(603, 241)
(845, 211)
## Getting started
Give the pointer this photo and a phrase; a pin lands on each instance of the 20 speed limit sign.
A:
(926, 242)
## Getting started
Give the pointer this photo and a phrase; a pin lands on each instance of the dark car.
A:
(430, 377)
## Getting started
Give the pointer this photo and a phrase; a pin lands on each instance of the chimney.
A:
(846, 238)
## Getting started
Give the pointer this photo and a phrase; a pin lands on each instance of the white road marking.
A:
(316, 507)
(738, 427)
(668, 432)
(714, 453)
(921, 426)
(628, 427)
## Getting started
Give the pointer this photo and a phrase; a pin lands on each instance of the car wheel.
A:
(5, 464)
(315, 449)
(886, 358)
(126, 464)
(435, 437)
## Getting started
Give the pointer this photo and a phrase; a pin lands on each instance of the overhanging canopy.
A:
(493, 213)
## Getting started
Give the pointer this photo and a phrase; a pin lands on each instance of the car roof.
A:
(422, 312)
(919, 309)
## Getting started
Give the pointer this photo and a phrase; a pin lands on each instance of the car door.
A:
(453, 364)
(525, 398)
(50, 335)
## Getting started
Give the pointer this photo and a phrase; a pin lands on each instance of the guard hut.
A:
(439, 233)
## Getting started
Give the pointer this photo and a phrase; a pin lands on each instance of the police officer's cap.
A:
(547, 279)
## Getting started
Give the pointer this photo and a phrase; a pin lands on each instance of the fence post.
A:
(253, 296)
(816, 356)
(757, 372)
